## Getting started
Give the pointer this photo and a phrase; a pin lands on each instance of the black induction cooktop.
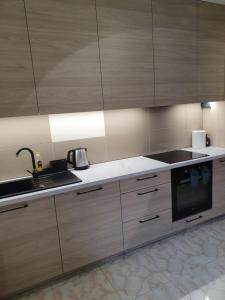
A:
(176, 156)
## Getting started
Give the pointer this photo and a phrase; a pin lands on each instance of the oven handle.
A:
(189, 221)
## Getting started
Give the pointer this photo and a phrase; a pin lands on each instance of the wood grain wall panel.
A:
(17, 92)
(211, 51)
(66, 55)
(29, 245)
(126, 52)
(175, 49)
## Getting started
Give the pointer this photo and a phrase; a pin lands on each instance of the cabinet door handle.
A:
(144, 193)
(189, 221)
(146, 178)
(15, 208)
(90, 191)
(156, 217)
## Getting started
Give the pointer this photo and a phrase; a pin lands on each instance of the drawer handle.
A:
(154, 218)
(222, 160)
(144, 193)
(189, 221)
(15, 208)
(146, 178)
(90, 191)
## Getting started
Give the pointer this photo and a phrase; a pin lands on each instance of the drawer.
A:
(149, 228)
(146, 201)
(193, 220)
(218, 187)
(141, 182)
(219, 163)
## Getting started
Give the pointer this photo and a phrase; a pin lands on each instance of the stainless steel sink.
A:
(29, 185)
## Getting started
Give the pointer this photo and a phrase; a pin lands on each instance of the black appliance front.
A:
(191, 190)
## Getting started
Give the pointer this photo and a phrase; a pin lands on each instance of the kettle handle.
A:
(69, 156)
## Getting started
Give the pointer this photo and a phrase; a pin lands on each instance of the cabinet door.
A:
(29, 245)
(90, 225)
(175, 51)
(65, 52)
(126, 52)
(219, 187)
(17, 92)
(211, 51)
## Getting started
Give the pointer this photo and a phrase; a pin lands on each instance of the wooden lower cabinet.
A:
(90, 225)
(144, 181)
(192, 220)
(146, 201)
(29, 245)
(146, 229)
(218, 187)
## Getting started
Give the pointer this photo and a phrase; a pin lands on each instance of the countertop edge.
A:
(123, 176)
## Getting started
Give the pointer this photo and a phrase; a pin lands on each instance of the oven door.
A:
(191, 190)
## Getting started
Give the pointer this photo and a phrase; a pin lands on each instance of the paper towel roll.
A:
(198, 139)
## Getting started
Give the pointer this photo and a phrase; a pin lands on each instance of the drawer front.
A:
(218, 188)
(149, 228)
(146, 201)
(219, 163)
(140, 182)
(193, 220)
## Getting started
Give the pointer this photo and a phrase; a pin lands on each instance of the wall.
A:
(214, 123)
(130, 132)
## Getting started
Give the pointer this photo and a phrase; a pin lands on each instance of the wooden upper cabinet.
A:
(29, 245)
(211, 51)
(65, 51)
(175, 50)
(126, 52)
(17, 92)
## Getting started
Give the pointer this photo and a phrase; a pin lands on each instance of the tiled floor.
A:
(187, 266)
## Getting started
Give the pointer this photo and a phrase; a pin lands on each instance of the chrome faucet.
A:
(34, 172)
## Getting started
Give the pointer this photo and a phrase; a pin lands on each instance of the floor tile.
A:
(186, 266)
(90, 285)
(40, 294)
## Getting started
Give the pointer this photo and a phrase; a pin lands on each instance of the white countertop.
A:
(116, 170)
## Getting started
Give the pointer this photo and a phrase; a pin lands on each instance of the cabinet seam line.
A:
(99, 51)
(31, 55)
(60, 246)
(153, 48)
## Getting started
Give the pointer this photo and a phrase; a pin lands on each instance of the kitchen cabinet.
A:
(146, 201)
(146, 208)
(193, 220)
(219, 187)
(126, 53)
(175, 51)
(17, 91)
(29, 245)
(140, 231)
(144, 181)
(211, 51)
(65, 53)
(90, 225)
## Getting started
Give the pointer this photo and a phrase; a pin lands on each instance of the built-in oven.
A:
(191, 190)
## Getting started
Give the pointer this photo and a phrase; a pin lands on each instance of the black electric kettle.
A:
(78, 158)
